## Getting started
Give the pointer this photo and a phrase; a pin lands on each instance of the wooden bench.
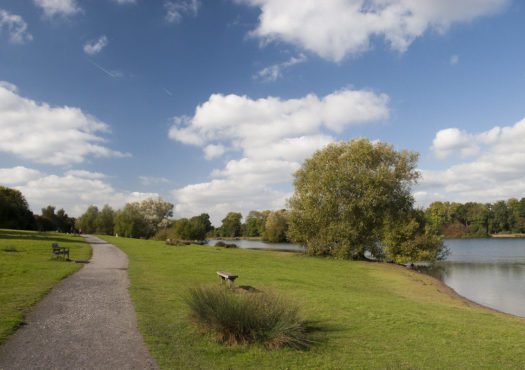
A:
(228, 277)
(58, 251)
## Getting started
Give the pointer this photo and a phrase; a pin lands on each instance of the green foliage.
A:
(407, 240)
(346, 193)
(51, 221)
(231, 225)
(477, 219)
(14, 210)
(130, 222)
(156, 213)
(276, 226)
(194, 228)
(244, 318)
(105, 221)
(87, 222)
(255, 223)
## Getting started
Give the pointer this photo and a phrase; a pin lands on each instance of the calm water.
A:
(255, 244)
(488, 271)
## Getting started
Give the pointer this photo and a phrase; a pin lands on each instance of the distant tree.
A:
(255, 223)
(14, 210)
(156, 212)
(131, 223)
(349, 195)
(276, 226)
(501, 215)
(231, 225)
(87, 222)
(105, 221)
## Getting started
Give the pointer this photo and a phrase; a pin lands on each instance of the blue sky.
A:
(214, 104)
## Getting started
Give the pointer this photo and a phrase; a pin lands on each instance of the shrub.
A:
(244, 318)
(225, 245)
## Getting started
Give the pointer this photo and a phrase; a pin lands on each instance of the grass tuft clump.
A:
(245, 318)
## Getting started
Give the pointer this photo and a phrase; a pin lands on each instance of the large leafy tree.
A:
(349, 194)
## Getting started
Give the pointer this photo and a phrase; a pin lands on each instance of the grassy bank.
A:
(369, 315)
(27, 272)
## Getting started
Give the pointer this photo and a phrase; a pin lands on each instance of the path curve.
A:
(87, 321)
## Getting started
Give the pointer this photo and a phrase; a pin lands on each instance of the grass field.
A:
(369, 315)
(27, 272)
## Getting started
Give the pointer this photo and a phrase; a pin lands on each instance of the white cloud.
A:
(63, 8)
(53, 135)
(275, 71)
(74, 191)
(454, 59)
(17, 175)
(213, 151)
(336, 28)
(272, 136)
(95, 46)
(15, 26)
(497, 170)
(176, 10)
(125, 1)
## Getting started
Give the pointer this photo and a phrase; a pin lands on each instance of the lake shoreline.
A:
(444, 288)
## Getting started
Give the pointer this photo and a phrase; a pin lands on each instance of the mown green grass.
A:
(27, 271)
(370, 315)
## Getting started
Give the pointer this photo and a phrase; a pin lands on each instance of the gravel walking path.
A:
(87, 321)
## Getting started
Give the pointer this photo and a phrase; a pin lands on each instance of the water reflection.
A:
(488, 271)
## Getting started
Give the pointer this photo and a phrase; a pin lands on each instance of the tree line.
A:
(351, 200)
(15, 214)
(477, 219)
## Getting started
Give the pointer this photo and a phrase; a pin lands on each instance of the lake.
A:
(487, 271)
(490, 272)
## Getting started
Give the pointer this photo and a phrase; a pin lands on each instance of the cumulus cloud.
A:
(95, 46)
(45, 134)
(275, 71)
(496, 171)
(63, 8)
(74, 190)
(15, 26)
(17, 175)
(272, 136)
(336, 28)
(453, 141)
(176, 10)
